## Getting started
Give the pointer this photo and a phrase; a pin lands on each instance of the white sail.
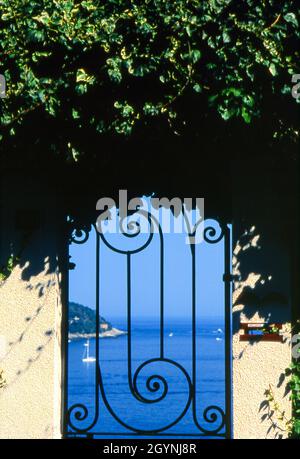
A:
(87, 357)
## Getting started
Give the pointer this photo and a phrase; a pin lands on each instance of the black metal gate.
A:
(217, 420)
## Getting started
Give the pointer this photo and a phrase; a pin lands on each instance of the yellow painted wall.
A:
(256, 367)
(30, 315)
(263, 235)
(30, 401)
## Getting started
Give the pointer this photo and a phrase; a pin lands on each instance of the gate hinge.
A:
(228, 277)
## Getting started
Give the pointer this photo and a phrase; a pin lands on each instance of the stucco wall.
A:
(30, 316)
(255, 368)
(263, 233)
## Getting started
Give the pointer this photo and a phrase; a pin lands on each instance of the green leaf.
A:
(291, 17)
(197, 88)
(272, 69)
(75, 114)
(246, 115)
(188, 30)
(43, 18)
(81, 75)
(195, 55)
(226, 37)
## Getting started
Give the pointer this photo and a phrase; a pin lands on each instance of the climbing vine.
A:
(2, 380)
(294, 372)
(276, 415)
(82, 68)
(7, 269)
(289, 426)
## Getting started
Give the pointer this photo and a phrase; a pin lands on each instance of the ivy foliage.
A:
(6, 270)
(294, 384)
(110, 66)
(294, 373)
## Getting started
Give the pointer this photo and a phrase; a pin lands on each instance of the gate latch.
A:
(228, 277)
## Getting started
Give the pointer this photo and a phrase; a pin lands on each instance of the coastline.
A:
(113, 333)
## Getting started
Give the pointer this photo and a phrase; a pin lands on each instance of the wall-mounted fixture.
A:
(261, 332)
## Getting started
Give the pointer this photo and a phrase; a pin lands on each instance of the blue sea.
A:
(163, 386)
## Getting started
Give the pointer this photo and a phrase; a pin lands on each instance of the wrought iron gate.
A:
(79, 422)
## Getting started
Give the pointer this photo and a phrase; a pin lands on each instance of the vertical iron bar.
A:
(161, 295)
(129, 321)
(64, 269)
(97, 320)
(228, 332)
(194, 329)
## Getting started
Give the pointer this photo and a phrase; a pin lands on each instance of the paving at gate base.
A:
(82, 323)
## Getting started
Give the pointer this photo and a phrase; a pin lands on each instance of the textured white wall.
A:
(30, 324)
(263, 207)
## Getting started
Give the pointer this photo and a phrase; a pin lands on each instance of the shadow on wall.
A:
(28, 324)
(27, 250)
(258, 283)
(272, 413)
(30, 361)
(26, 303)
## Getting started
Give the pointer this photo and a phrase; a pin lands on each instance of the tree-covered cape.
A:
(79, 70)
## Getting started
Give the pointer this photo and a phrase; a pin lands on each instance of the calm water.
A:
(210, 370)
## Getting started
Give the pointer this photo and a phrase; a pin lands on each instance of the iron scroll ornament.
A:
(156, 384)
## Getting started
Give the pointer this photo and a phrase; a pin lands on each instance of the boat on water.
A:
(218, 332)
(86, 355)
(171, 334)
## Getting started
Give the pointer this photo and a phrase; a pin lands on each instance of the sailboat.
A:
(86, 357)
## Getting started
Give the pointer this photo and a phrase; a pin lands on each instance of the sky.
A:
(146, 274)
